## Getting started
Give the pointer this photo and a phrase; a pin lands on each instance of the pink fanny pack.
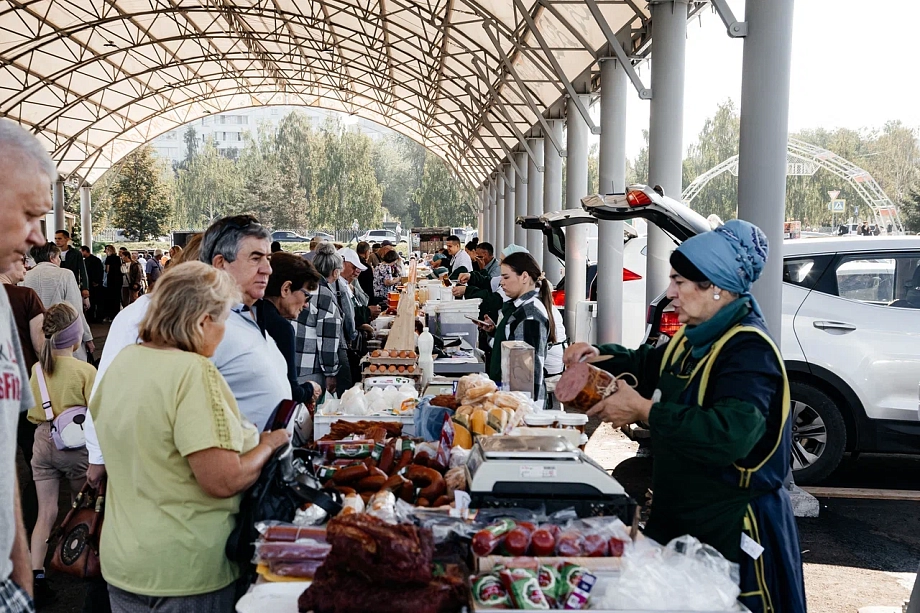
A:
(67, 428)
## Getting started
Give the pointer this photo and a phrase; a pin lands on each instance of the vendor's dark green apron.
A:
(711, 503)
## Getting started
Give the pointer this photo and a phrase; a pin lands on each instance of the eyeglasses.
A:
(238, 222)
(305, 292)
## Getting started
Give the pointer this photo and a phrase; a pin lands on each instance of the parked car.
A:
(286, 236)
(850, 325)
(553, 226)
(378, 236)
(324, 236)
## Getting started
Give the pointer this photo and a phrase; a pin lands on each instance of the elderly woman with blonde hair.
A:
(178, 452)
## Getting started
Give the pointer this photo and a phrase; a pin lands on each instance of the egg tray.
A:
(368, 373)
(396, 361)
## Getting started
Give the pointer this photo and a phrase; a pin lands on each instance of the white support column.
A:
(508, 211)
(552, 194)
(57, 197)
(764, 135)
(534, 238)
(493, 201)
(666, 126)
(481, 213)
(86, 216)
(520, 197)
(576, 187)
(612, 179)
(499, 209)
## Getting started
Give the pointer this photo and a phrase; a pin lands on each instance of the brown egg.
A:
(392, 368)
(410, 368)
(401, 368)
(372, 368)
(375, 353)
(411, 354)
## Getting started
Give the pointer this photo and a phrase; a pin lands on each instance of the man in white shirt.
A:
(25, 199)
(460, 261)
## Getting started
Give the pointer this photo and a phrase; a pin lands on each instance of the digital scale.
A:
(548, 471)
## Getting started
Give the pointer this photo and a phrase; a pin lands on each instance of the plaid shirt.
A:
(318, 332)
(14, 599)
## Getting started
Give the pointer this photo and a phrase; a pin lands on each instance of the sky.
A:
(851, 67)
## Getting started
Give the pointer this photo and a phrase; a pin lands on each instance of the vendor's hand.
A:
(369, 329)
(94, 474)
(488, 326)
(90, 347)
(625, 406)
(330, 385)
(275, 439)
(458, 290)
(85, 293)
(578, 352)
(463, 277)
(317, 391)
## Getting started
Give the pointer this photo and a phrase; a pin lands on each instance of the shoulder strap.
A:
(670, 349)
(43, 388)
(747, 473)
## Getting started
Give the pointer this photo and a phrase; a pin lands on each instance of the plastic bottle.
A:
(425, 360)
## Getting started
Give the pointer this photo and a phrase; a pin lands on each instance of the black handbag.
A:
(284, 485)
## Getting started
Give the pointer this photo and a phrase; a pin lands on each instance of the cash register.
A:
(542, 471)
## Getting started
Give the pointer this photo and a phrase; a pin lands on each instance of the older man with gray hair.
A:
(248, 358)
(25, 199)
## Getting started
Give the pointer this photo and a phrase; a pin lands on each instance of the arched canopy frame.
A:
(866, 187)
(95, 79)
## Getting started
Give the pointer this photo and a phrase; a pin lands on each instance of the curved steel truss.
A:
(805, 158)
(465, 78)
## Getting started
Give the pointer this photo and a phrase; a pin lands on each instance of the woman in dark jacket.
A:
(716, 399)
(112, 282)
(286, 296)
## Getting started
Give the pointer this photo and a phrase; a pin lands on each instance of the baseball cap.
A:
(386, 243)
(351, 256)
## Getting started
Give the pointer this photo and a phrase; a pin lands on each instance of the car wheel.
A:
(819, 436)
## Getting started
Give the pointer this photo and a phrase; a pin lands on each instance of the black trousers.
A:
(25, 438)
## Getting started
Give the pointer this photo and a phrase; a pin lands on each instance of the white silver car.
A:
(850, 336)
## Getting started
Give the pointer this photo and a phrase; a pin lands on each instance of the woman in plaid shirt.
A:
(524, 316)
(318, 328)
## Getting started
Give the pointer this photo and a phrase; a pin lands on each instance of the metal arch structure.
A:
(467, 79)
(813, 157)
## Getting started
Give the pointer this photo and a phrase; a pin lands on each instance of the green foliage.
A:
(910, 213)
(443, 199)
(210, 188)
(399, 165)
(138, 197)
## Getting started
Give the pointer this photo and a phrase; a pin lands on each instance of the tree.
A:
(295, 155)
(399, 165)
(262, 194)
(191, 145)
(209, 189)
(138, 199)
(717, 141)
(443, 199)
(910, 212)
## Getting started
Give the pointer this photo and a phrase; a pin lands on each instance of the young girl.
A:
(524, 316)
(69, 382)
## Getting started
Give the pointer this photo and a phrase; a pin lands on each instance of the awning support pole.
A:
(576, 187)
(764, 136)
(552, 192)
(521, 187)
(533, 238)
(612, 179)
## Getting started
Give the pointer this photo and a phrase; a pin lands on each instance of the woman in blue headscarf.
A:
(716, 399)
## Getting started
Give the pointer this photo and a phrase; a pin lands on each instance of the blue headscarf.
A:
(731, 256)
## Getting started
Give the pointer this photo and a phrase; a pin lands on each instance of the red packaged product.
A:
(596, 546)
(289, 533)
(517, 542)
(615, 547)
(543, 541)
(304, 569)
(570, 543)
(486, 540)
(292, 552)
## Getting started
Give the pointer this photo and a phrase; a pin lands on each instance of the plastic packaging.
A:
(267, 551)
(684, 576)
(353, 402)
(288, 532)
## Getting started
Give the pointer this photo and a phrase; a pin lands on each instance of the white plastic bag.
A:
(352, 402)
(684, 576)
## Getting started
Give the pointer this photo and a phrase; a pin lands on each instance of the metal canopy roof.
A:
(465, 78)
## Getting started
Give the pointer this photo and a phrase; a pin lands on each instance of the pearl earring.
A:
(717, 296)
